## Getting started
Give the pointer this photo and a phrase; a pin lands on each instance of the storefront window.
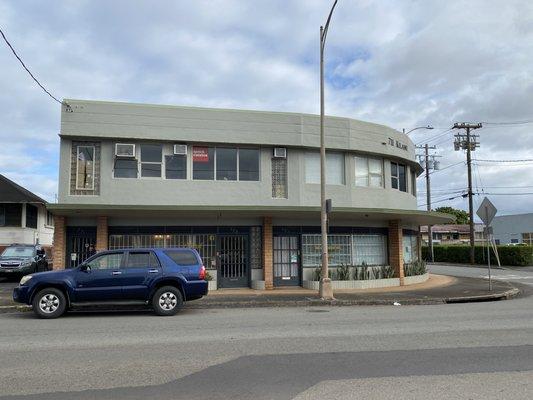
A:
(410, 248)
(369, 249)
(338, 247)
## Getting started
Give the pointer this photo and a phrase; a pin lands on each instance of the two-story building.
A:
(243, 187)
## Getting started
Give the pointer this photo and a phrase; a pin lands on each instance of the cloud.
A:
(404, 64)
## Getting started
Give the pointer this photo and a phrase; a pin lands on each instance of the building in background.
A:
(242, 187)
(448, 234)
(513, 229)
(24, 218)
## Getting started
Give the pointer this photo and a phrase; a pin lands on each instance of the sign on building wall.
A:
(200, 154)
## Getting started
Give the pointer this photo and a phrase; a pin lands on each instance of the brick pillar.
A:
(101, 234)
(268, 264)
(396, 248)
(59, 244)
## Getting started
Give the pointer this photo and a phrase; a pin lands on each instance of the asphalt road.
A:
(521, 275)
(453, 351)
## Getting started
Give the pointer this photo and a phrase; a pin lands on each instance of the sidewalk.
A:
(438, 289)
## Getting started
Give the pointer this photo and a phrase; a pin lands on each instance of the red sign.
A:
(200, 154)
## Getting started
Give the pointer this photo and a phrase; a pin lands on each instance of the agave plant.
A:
(343, 272)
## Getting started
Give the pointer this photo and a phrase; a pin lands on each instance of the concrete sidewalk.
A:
(438, 289)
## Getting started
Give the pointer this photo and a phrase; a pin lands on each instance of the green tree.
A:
(461, 216)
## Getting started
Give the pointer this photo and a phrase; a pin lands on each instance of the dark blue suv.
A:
(162, 278)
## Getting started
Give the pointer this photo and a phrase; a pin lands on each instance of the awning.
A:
(415, 217)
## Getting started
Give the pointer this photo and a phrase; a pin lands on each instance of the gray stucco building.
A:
(240, 186)
(511, 229)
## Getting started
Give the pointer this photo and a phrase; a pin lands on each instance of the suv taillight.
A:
(202, 272)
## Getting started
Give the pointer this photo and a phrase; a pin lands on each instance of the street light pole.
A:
(325, 288)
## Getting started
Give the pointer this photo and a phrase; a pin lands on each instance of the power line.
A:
(505, 161)
(508, 122)
(448, 166)
(438, 135)
(28, 71)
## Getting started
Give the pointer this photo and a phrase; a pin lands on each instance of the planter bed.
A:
(370, 283)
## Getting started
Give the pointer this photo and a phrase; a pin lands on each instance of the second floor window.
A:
(368, 172)
(398, 176)
(85, 168)
(151, 160)
(334, 168)
(176, 166)
(225, 163)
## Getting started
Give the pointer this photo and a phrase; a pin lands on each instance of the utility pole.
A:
(429, 163)
(469, 143)
(325, 288)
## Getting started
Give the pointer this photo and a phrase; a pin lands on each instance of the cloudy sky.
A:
(397, 62)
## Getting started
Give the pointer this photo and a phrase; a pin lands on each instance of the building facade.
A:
(24, 218)
(243, 187)
(513, 229)
(453, 234)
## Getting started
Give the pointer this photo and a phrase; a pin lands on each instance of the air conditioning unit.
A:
(124, 150)
(180, 149)
(280, 152)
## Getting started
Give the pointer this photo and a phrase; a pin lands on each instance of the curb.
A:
(311, 302)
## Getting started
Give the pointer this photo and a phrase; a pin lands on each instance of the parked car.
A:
(160, 278)
(22, 259)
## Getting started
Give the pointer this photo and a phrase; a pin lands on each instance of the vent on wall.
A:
(124, 150)
(280, 152)
(180, 149)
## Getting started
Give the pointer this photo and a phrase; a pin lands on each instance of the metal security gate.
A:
(286, 261)
(81, 242)
(232, 261)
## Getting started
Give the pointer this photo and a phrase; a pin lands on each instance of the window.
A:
(410, 248)
(413, 182)
(143, 259)
(106, 261)
(151, 159)
(339, 251)
(31, 216)
(248, 164)
(125, 168)
(176, 167)
(10, 214)
(334, 168)
(370, 249)
(226, 164)
(368, 172)
(85, 168)
(398, 177)
(527, 238)
(2, 215)
(49, 218)
(203, 162)
(279, 178)
(182, 257)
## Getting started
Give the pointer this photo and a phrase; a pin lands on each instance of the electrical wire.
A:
(27, 70)
(505, 161)
(508, 122)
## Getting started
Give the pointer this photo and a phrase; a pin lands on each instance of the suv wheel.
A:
(167, 300)
(49, 303)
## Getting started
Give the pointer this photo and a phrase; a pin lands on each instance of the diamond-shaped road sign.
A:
(486, 211)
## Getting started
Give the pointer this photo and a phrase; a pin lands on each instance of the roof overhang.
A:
(415, 217)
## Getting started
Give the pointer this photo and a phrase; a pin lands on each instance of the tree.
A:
(461, 216)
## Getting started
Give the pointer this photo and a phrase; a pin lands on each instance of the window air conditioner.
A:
(124, 150)
(180, 149)
(280, 152)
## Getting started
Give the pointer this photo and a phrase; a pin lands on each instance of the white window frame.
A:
(50, 222)
(93, 169)
(369, 174)
(397, 177)
(335, 153)
(161, 163)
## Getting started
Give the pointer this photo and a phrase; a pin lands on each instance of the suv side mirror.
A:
(85, 268)
(41, 253)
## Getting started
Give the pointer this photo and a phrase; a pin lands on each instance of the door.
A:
(80, 245)
(286, 261)
(232, 261)
(139, 270)
(101, 281)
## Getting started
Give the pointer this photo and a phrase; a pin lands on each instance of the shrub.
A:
(509, 255)
(317, 274)
(343, 273)
(361, 273)
(208, 276)
(415, 268)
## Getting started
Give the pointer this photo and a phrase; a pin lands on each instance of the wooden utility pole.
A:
(465, 142)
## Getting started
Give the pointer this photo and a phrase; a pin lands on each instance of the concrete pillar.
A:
(268, 260)
(59, 243)
(396, 248)
(101, 234)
